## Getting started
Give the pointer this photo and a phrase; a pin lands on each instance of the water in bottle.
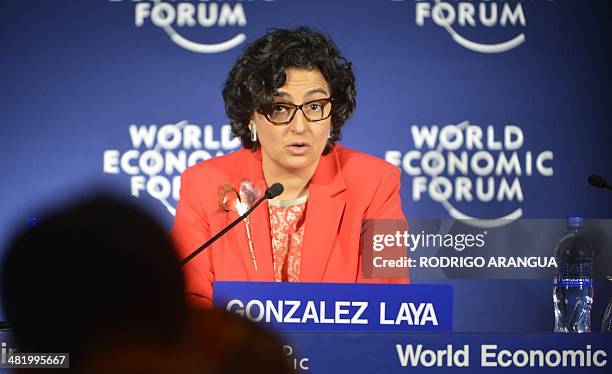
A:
(573, 282)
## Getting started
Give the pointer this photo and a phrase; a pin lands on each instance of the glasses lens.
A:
(317, 110)
(281, 113)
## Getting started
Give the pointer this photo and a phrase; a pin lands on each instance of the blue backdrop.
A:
(85, 82)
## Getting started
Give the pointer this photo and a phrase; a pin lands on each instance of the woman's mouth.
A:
(298, 148)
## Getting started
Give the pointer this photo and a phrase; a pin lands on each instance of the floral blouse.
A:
(287, 230)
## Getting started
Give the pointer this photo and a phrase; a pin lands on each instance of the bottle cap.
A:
(575, 221)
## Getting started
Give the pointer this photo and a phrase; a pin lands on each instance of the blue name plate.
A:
(339, 307)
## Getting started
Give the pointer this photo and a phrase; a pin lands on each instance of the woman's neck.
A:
(295, 182)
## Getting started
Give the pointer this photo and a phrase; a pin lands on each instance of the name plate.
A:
(339, 306)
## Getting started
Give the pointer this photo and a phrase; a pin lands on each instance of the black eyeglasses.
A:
(314, 111)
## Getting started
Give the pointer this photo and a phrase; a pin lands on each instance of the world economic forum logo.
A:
(457, 16)
(459, 165)
(158, 155)
(173, 16)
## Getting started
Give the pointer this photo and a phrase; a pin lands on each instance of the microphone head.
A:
(597, 181)
(275, 190)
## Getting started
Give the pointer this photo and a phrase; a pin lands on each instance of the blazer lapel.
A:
(237, 242)
(323, 217)
(259, 224)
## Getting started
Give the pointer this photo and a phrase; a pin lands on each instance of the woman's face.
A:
(299, 144)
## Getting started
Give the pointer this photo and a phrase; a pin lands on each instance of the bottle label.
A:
(574, 282)
(574, 274)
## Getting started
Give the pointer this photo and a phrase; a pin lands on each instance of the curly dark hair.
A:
(260, 70)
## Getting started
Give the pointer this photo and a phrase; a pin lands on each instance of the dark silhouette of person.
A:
(93, 277)
(99, 279)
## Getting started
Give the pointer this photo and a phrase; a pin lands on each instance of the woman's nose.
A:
(298, 125)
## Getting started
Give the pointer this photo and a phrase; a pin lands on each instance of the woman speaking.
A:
(287, 98)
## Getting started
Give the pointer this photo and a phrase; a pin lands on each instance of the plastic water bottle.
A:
(573, 282)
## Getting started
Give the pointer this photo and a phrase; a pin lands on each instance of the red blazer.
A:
(347, 187)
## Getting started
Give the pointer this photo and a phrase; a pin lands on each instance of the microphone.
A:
(599, 182)
(273, 191)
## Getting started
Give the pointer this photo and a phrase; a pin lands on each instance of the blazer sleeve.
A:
(190, 230)
(386, 204)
